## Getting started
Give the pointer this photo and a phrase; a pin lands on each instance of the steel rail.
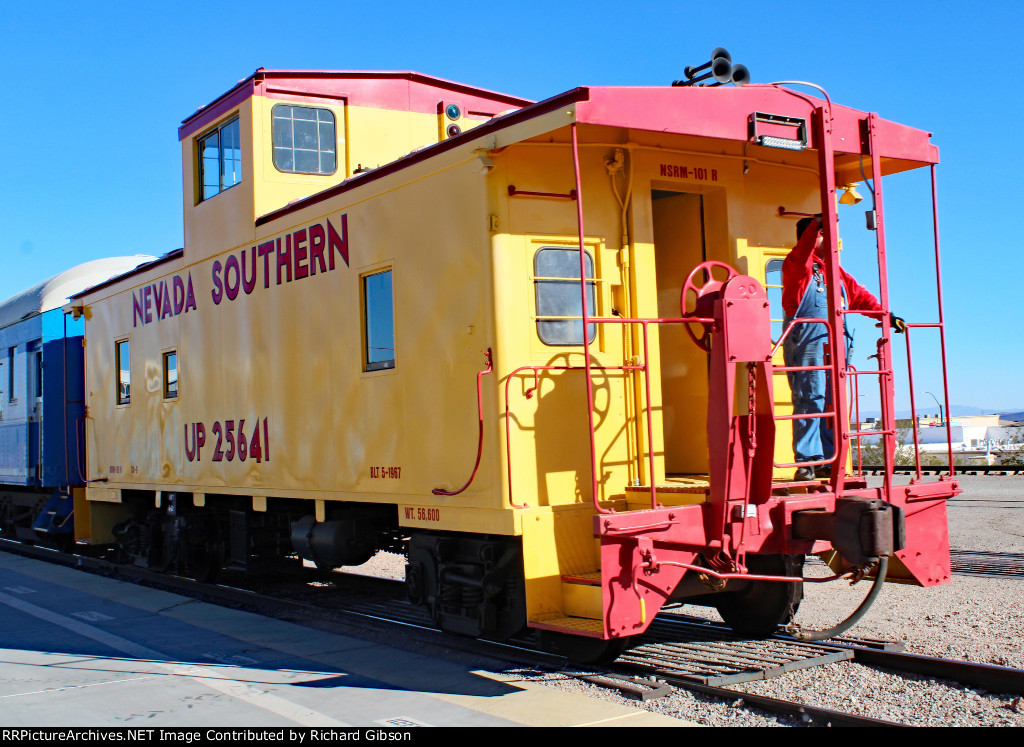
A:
(987, 564)
(812, 714)
(993, 678)
(990, 677)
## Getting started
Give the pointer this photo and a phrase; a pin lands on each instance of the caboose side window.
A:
(559, 304)
(220, 159)
(124, 376)
(379, 321)
(304, 141)
(170, 374)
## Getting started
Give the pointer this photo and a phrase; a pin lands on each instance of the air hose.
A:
(854, 618)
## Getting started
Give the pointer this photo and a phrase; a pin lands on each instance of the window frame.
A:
(177, 374)
(125, 399)
(593, 281)
(12, 353)
(200, 140)
(35, 374)
(319, 151)
(777, 323)
(379, 365)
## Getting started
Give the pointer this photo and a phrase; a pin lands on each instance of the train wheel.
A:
(760, 608)
(582, 649)
(204, 562)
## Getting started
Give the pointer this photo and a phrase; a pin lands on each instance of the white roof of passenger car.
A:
(55, 292)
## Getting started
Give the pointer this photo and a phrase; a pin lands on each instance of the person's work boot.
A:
(824, 472)
(803, 474)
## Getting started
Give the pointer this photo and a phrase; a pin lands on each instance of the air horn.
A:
(719, 67)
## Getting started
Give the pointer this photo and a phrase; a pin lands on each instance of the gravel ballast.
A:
(972, 618)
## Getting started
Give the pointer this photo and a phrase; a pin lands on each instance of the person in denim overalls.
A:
(805, 296)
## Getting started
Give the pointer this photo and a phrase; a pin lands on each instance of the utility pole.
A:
(942, 419)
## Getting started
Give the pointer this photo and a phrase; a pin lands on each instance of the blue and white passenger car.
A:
(42, 403)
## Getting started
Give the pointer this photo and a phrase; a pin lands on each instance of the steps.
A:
(676, 491)
(582, 608)
(581, 596)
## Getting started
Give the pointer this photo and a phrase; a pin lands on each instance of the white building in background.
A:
(977, 439)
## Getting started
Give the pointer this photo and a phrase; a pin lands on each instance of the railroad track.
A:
(990, 564)
(678, 651)
(637, 670)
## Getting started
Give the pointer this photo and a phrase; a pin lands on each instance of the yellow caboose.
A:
(373, 339)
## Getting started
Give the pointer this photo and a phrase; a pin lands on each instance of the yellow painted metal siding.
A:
(290, 354)
(550, 445)
(366, 137)
(274, 189)
(227, 218)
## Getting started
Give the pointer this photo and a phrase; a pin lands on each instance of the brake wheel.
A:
(703, 297)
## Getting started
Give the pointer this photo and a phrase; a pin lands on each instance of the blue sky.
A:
(95, 91)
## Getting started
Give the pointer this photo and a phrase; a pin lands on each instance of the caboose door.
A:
(679, 230)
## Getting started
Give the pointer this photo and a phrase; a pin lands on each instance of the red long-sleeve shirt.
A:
(798, 270)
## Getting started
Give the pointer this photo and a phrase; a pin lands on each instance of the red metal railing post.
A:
(942, 324)
(913, 407)
(650, 425)
(837, 338)
(886, 384)
(855, 432)
(586, 322)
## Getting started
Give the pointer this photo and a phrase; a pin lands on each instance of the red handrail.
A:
(855, 395)
(832, 414)
(586, 320)
(913, 407)
(941, 325)
(884, 372)
(529, 395)
(480, 439)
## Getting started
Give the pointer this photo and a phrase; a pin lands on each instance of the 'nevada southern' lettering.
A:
(294, 256)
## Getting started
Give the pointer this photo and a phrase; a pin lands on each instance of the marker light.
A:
(452, 111)
(453, 130)
(777, 122)
(770, 141)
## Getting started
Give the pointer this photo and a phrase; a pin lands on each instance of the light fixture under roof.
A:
(850, 195)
